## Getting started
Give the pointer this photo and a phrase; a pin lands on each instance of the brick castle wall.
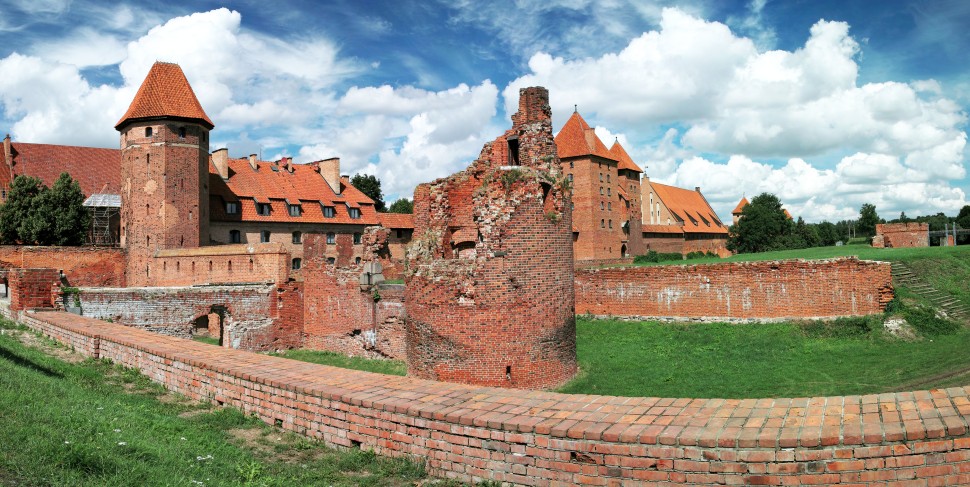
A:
(898, 235)
(738, 291)
(239, 263)
(32, 288)
(489, 292)
(82, 266)
(542, 438)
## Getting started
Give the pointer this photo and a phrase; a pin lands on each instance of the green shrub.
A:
(654, 256)
(927, 323)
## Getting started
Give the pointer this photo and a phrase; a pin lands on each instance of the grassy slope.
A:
(390, 367)
(91, 423)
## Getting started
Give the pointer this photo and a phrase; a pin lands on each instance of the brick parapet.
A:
(82, 266)
(239, 263)
(898, 235)
(545, 438)
(33, 288)
(771, 290)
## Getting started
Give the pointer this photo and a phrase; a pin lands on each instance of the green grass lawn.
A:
(758, 360)
(68, 422)
(391, 367)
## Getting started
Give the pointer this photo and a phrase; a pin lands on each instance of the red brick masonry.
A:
(898, 235)
(770, 290)
(544, 438)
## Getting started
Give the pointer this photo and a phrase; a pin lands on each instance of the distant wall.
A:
(737, 291)
(82, 266)
(238, 263)
(898, 235)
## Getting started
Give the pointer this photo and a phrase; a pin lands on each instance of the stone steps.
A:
(948, 304)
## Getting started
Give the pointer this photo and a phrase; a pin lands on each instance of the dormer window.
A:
(148, 131)
(262, 209)
(295, 210)
(329, 212)
(354, 213)
(232, 207)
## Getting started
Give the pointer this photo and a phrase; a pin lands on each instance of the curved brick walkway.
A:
(545, 438)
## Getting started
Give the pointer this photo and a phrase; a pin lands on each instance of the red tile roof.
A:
(96, 170)
(577, 139)
(689, 207)
(165, 93)
(671, 229)
(624, 159)
(396, 220)
(741, 204)
(304, 186)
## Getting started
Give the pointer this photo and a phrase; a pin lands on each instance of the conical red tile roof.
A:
(165, 93)
(740, 207)
(577, 139)
(624, 159)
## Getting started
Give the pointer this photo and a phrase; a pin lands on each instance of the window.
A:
(513, 142)
(571, 165)
(297, 237)
(607, 191)
(264, 236)
(331, 238)
(601, 191)
(148, 131)
(297, 263)
(601, 177)
(602, 206)
(263, 209)
(607, 178)
(357, 261)
(181, 132)
(611, 223)
(234, 236)
(354, 213)
(570, 178)
(602, 223)
(329, 211)
(331, 260)
(295, 210)
(232, 207)
(356, 238)
(609, 206)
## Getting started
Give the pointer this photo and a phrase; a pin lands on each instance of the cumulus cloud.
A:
(827, 143)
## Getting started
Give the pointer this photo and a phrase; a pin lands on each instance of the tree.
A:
(763, 226)
(370, 186)
(963, 219)
(868, 220)
(903, 218)
(34, 214)
(402, 205)
(827, 233)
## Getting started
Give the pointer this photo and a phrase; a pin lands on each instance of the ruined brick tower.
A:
(489, 294)
(164, 170)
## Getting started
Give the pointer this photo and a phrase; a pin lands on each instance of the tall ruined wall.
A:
(738, 291)
(338, 315)
(489, 293)
(219, 264)
(82, 266)
(898, 235)
(251, 313)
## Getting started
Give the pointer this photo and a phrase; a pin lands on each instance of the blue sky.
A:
(828, 104)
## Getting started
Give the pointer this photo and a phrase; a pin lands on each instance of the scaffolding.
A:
(105, 209)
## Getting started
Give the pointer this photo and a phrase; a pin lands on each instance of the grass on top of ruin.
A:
(844, 357)
(70, 421)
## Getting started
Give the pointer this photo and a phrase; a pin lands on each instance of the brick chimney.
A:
(330, 170)
(7, 152)
(252, 162)
(697, 188)
(220, 159)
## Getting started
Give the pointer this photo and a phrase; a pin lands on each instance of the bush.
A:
(653, 256)
(927, 322)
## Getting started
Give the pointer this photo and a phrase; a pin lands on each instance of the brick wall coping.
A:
(739, 263)
(770, 423)
(167, 289)
(233, 249)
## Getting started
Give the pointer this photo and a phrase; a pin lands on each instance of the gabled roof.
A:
(577, 139)
(396, 220)
(96, 170)
(165, 93)
(304, 186)
(689, 207)
(741, 204)
(624, 160)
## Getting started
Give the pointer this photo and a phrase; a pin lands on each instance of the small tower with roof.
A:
(164, 170)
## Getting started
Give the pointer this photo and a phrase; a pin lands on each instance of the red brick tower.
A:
(164, 170)
(628, 201)
(489, 294)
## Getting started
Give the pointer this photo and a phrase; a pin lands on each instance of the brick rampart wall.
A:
(544, 438)
(592, 264)
(238, 263)
(32, 288)
(82, 266)
(737, 291)
(897, 235)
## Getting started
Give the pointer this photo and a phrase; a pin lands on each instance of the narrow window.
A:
(331, 238)
(601, 191)
(264, 236)
(234, 236)
(331, 260)
(602, 223)
(297, 263)
(148, 131)
(570, 178)
(601, 177)
(611, 223)
(181, 132)
(601, 206)
(513, 150)
(357, 261)
(607, 178)
(210, 266)
(177, 266)
(571, 164)
(609, 206)
(229, 267)
(297, 237)
(607, 191)
(356, 238)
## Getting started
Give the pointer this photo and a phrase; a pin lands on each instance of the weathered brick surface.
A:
(240, 263)
(738, 291)
(897, 235)
(489, 296)
(82, 266)
(544, 438)
(32, 288)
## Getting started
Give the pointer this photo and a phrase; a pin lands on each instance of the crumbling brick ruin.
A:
(898, 235)
(489, 278)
